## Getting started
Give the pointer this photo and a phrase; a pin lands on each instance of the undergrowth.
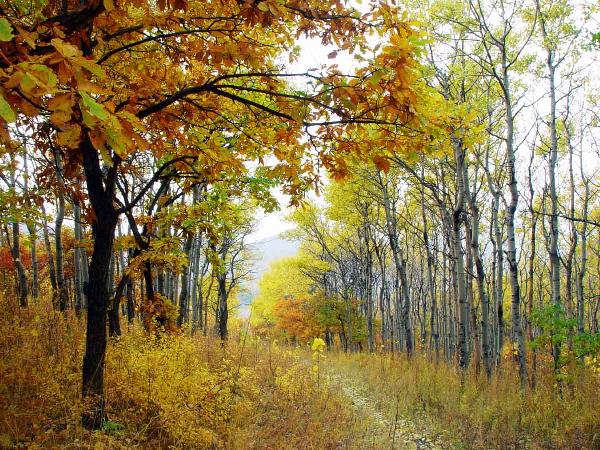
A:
(174, 391)
(482, 414)
(177, 391)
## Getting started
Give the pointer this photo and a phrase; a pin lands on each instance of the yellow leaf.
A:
(70, 137)
(60, 102)
(64, 48)
(93, 107)
(6, 111)
(6, 33)
(60, 118)
(382, 163)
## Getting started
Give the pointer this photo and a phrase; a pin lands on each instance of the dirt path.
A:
(389, 429)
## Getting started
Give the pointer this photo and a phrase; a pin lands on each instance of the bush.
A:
(172, 391)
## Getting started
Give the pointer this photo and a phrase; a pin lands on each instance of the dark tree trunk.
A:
(114, 322)
(184, 296)
(20, 268)
(223, 312)
(101, 199)
(35, 283)
(149, 282)
(97, 299)
(130, 296)
(15, 250)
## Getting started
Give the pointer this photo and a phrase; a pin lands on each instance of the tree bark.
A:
(62, 299)
(21, 284)
(433, 327)
(35, 282)
(583, 264)
(184, 296)
(130, 293)
(51, 267)
(392, 232)
(21, 275)
(461, 288)
(510, 231)
(101, 199)
(78, 259)
(480, 275)
(35, 270)
(222, 305)
(114, 322)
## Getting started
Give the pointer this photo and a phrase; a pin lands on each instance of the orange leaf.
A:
(382, 163)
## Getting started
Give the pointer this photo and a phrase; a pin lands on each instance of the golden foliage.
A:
(170, 391)
(477, 413)
(159, 314)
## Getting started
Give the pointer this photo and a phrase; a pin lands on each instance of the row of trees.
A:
(177, 261)
(482, 242)
(154, 126)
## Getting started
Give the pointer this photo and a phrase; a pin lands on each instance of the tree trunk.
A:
(114, 322)
(196, 281)
(553, 250)
(130, 294)
(21, 275)
(348, 310)
(369, 289)
(223, 314)
(62, 299)
(433, 328)
(498, 276)
(457, 219)
(510, 231)
(184, 297)
(480, 275)
(101, 199)
(392, 232)
(80, 260)
(35, 282)
(583, 265)
(48, 246)
(97, 300)
(19, 267)
(35, 270)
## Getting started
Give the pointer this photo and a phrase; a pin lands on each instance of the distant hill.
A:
(266, 251)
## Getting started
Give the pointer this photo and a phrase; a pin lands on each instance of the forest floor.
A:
(177, 391)
(388, 427)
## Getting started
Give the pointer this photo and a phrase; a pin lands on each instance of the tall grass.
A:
(177, 391)
(174, 391)
(473, 412)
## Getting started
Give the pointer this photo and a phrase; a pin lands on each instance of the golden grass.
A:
(477, 413)
(172, 392)
(184, 392)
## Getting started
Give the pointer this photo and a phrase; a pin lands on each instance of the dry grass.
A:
(183, 392)
(483, 414)
(175, 392)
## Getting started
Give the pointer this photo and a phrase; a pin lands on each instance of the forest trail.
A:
(388, 428)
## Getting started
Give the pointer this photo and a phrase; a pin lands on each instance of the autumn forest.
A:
(434, 165)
